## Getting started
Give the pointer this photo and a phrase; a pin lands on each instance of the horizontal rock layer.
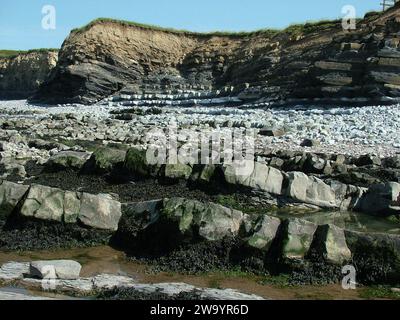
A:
(318, 61)
(19, 271)
(56, 205)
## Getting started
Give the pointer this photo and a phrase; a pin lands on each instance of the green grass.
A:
(268, 32)
(311, 27)
(379, 292)
(280, 281)
(306, 28)
(14, 53)
(295, 29)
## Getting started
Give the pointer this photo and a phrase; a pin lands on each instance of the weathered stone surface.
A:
(24, 73)
(136, 163)
(314, 164)
(310, 190)
(310, 143)
(176, 219)
(52, 204)
(330, 244)
(381, 199)
(177, 171)
(13, 270)
(297, 236)
(272, 132)
(106, 282)
(264, 233)
(104, 159)
(68, 160)
(376, 256)
(99, 211)
(347, 196)
(44, 203)
(10, 195)
(55, 269)
(262, 177)
(366, 160)
(343, 65)
(72, 206)
(204, 175)
(214, 222)
(10, 295)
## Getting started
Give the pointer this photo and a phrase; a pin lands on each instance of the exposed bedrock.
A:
(65, 279)
(311, 61)
(191, 235)
(22, 74)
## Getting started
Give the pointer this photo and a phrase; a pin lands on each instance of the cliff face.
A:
(21, 75)
(320, 61)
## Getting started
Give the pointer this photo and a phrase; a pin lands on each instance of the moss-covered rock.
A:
(67, 160)
(161, 226)
(296, 238)
(105, 159)
(136, 163)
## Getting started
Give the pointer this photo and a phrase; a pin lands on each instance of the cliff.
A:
(318, 61)
(22, 73)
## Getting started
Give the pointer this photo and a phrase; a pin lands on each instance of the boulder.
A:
(296, 238)
(330, 244)
(314, 164)
(310, 190)
(14, 169)
(272, 132)
(262, 177)
(46, 145)
(10, 195)
(203, 174)
(136, 163)
(177, 171)
(213, 221)
(104, 159)
(347, 196)
(68, 160)
(55, 269)
(392, 162)
(166, 222)
(381, 199)
(367, 160)
(376, 256)
(44, 203)
(264, 232)
(52, 204)
(99, 211)
(12, 271)
(310, 143)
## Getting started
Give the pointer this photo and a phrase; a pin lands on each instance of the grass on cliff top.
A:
(171, 30)
(14, 53)
(292, 30)
(305, 28)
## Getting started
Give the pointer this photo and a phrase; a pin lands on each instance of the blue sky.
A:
(20, 20)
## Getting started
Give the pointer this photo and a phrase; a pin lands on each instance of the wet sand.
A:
(105, 259)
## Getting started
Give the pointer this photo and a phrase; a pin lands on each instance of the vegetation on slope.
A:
(14, 53)
(306, 28)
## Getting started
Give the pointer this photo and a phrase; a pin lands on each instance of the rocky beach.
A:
(319, 106)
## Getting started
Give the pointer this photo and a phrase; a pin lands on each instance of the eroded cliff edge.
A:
(22, 74)
(311, 61)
